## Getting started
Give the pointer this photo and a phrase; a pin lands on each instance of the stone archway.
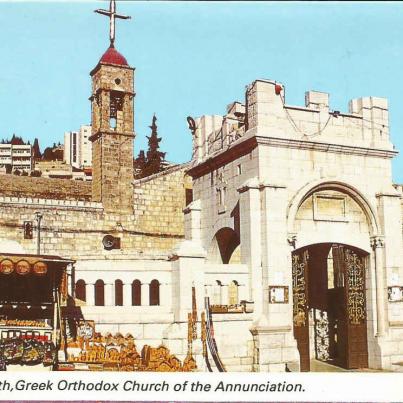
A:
(333, 185)
(335, 213)
(225, 247)
(329, 305)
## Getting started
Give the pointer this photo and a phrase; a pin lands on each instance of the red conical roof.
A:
(112, 56)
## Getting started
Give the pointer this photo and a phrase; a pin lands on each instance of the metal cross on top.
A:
(112, 16)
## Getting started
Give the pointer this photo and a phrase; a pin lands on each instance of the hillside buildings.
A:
(78, 148)
(16, 157)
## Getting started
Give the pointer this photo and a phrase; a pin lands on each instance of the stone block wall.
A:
(75, 228)
(160, 199)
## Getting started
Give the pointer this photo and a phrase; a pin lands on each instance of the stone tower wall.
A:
(112, 150)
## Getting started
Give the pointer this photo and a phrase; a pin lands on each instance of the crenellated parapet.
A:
(265, 114)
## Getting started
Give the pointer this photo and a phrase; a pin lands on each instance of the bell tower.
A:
(112, 120)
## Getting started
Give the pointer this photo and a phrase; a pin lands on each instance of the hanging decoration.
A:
(299, 263)
(23, 267)
(6, 266)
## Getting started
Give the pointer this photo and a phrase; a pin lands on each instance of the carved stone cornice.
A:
(326, 147)
(292, 240)
(377, 242)
(252, 183)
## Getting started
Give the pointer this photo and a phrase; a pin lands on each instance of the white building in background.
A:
(16, 156)
(77, 147)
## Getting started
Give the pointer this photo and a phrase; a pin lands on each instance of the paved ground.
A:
(319, 366)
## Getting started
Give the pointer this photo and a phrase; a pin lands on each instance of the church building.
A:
(288, 253)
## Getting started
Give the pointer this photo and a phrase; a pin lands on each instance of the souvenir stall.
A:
(32, 289)
(92, 351)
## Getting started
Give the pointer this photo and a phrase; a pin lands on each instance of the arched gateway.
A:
(317, 217)
(329, 310)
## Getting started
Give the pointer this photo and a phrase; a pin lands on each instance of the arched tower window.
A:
(224, 245)
(80, 290)
(136, 293)
(118, 293)
(99, 293)
(154, 292)
(233, 293)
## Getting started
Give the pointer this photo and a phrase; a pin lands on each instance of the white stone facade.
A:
(268, 179)
(16, 156)
(278, 165)
(78, 148)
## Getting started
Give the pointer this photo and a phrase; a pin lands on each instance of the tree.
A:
(53, 154)
(36, 151)
(139, 164)
(36, 173)
(155, 158)
(17, 141)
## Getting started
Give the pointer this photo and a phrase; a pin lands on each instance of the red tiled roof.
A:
(112, 56)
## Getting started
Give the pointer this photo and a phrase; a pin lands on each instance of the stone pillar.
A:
(224, 294)
(389, 209)
(127, 294)
(109, 294)
(273, 337)
(377, 244)
(187, 272)
(249, 205)
(145, 294)
(90, 294)
(192, 221)
(208, 291)
(242, 292)
(165, 297)
(70, 279)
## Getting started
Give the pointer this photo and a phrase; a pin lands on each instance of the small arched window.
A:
(233, 293)
(80, 290)
(99, 293)
(155, 292)
(136, 293)
(118, 293)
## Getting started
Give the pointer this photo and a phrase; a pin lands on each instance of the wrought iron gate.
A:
(300, 307)
(339, 321)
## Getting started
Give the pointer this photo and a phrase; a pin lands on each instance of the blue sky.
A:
(194, 59)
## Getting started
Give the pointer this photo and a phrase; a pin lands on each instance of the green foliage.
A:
(154, 162)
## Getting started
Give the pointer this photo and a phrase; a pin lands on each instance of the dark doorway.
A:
(329, 305)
